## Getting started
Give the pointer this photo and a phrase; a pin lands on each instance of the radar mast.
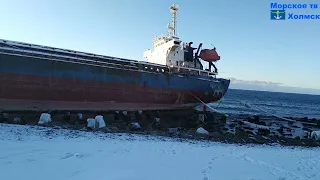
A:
(172, 27)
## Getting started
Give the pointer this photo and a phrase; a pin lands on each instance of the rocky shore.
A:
(182, 124)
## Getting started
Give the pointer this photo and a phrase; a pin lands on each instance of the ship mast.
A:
(172, 27)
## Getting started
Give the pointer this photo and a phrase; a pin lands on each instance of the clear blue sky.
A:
(252, 46)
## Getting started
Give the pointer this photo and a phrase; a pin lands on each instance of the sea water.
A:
(263, 103)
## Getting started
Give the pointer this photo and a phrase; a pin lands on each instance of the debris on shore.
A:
(184, 124)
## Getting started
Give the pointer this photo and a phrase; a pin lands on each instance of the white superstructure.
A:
(168, 50)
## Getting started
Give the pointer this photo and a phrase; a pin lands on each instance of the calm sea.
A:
(263, 103)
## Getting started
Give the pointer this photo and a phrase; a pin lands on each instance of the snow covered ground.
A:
(32, 153)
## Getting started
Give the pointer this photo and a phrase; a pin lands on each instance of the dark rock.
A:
(214, 123)
(67, 117)
(99, 113)
(191, 131)
(156, 125)
(314, 119)
(17, 120)
(232, 125)
(23, 121)
(224, 119)
(293, 142)
(280, 130)
(4, 118)
(113, 129)
(240, 132)
(309, 142)
(215, 135)
(249, 128)
(263, 132)
(250, 132)
(290, 123)
(306, 129)
(173, 130)
(80, 119)
(106, 130)
(256, 120)
(275, 137)
(261, 140)
(241, 123)
(1, 118)
(135, 126)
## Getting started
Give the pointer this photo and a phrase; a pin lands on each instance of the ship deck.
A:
(58, 54)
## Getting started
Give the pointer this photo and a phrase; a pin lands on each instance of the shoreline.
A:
(183, 125)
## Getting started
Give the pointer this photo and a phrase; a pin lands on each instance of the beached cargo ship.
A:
(35, 77)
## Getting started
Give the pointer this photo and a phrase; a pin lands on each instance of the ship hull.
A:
(33, 83)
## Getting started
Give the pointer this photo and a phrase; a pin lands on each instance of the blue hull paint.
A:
(48, 68)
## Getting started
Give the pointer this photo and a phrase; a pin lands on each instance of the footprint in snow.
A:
(76, 173)
(211, 161)
(68, 155)
(31, 160)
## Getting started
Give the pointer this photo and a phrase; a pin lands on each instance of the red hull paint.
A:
(28, 92)
(32, 105)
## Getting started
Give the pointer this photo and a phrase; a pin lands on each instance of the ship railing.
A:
(66, 52)
(53, 50)
(192, 71)
(76, 54)
(142, 66)
(87, 58)
(66, 58)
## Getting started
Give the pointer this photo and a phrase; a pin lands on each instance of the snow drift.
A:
(39, 153)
